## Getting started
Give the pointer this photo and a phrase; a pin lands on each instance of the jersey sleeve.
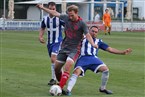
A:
(43, 23)
(85, 28)
(63, 17)
(103, 45)
(62, 22)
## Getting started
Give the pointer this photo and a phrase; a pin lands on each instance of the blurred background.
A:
(127, 15)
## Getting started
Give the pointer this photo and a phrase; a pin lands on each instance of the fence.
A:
(19, 25)
(35, 25)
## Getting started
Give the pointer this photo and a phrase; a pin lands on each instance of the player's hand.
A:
(41, 40)
(128, 51)
(95, 46)
(103, 22)
(39, 6)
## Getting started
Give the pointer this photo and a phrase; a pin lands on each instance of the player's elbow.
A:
(55, 13)
(110, 50)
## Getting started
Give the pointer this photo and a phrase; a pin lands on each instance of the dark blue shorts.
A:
(53, 48)
(92, 63)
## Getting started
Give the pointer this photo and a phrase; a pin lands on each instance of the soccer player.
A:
(89, 60)
(74, 30)
(54, 37)
(107, 21)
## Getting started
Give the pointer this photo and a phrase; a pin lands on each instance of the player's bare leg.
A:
(109, 31)
(58, 69)
(105, 31)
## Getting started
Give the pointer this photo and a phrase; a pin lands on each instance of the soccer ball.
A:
(55, 90)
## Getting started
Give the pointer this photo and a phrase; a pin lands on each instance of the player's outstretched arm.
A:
(121, 52)
(53, 12)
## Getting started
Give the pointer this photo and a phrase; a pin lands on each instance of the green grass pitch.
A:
(25, 66)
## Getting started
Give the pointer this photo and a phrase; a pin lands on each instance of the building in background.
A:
(33, 13)
(139, 9)
(27, 10)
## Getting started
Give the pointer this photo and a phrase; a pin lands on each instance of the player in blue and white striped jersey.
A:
(54, 37)
(89, 60)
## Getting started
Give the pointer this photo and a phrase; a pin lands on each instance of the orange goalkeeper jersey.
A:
(107, 17)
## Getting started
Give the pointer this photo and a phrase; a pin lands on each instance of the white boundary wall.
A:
(20, 25)
(129, 27)
(35, 25)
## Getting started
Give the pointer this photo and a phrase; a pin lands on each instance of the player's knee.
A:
(77, 72)
(53, 58)
(103, 68)
(67, 67)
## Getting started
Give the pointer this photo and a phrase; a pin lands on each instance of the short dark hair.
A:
(106, 9)
(94, 27)
(51, 3)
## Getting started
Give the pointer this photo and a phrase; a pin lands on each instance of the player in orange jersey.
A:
(107, 21)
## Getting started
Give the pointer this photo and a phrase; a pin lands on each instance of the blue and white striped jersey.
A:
(88, 49)
(54, 27)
